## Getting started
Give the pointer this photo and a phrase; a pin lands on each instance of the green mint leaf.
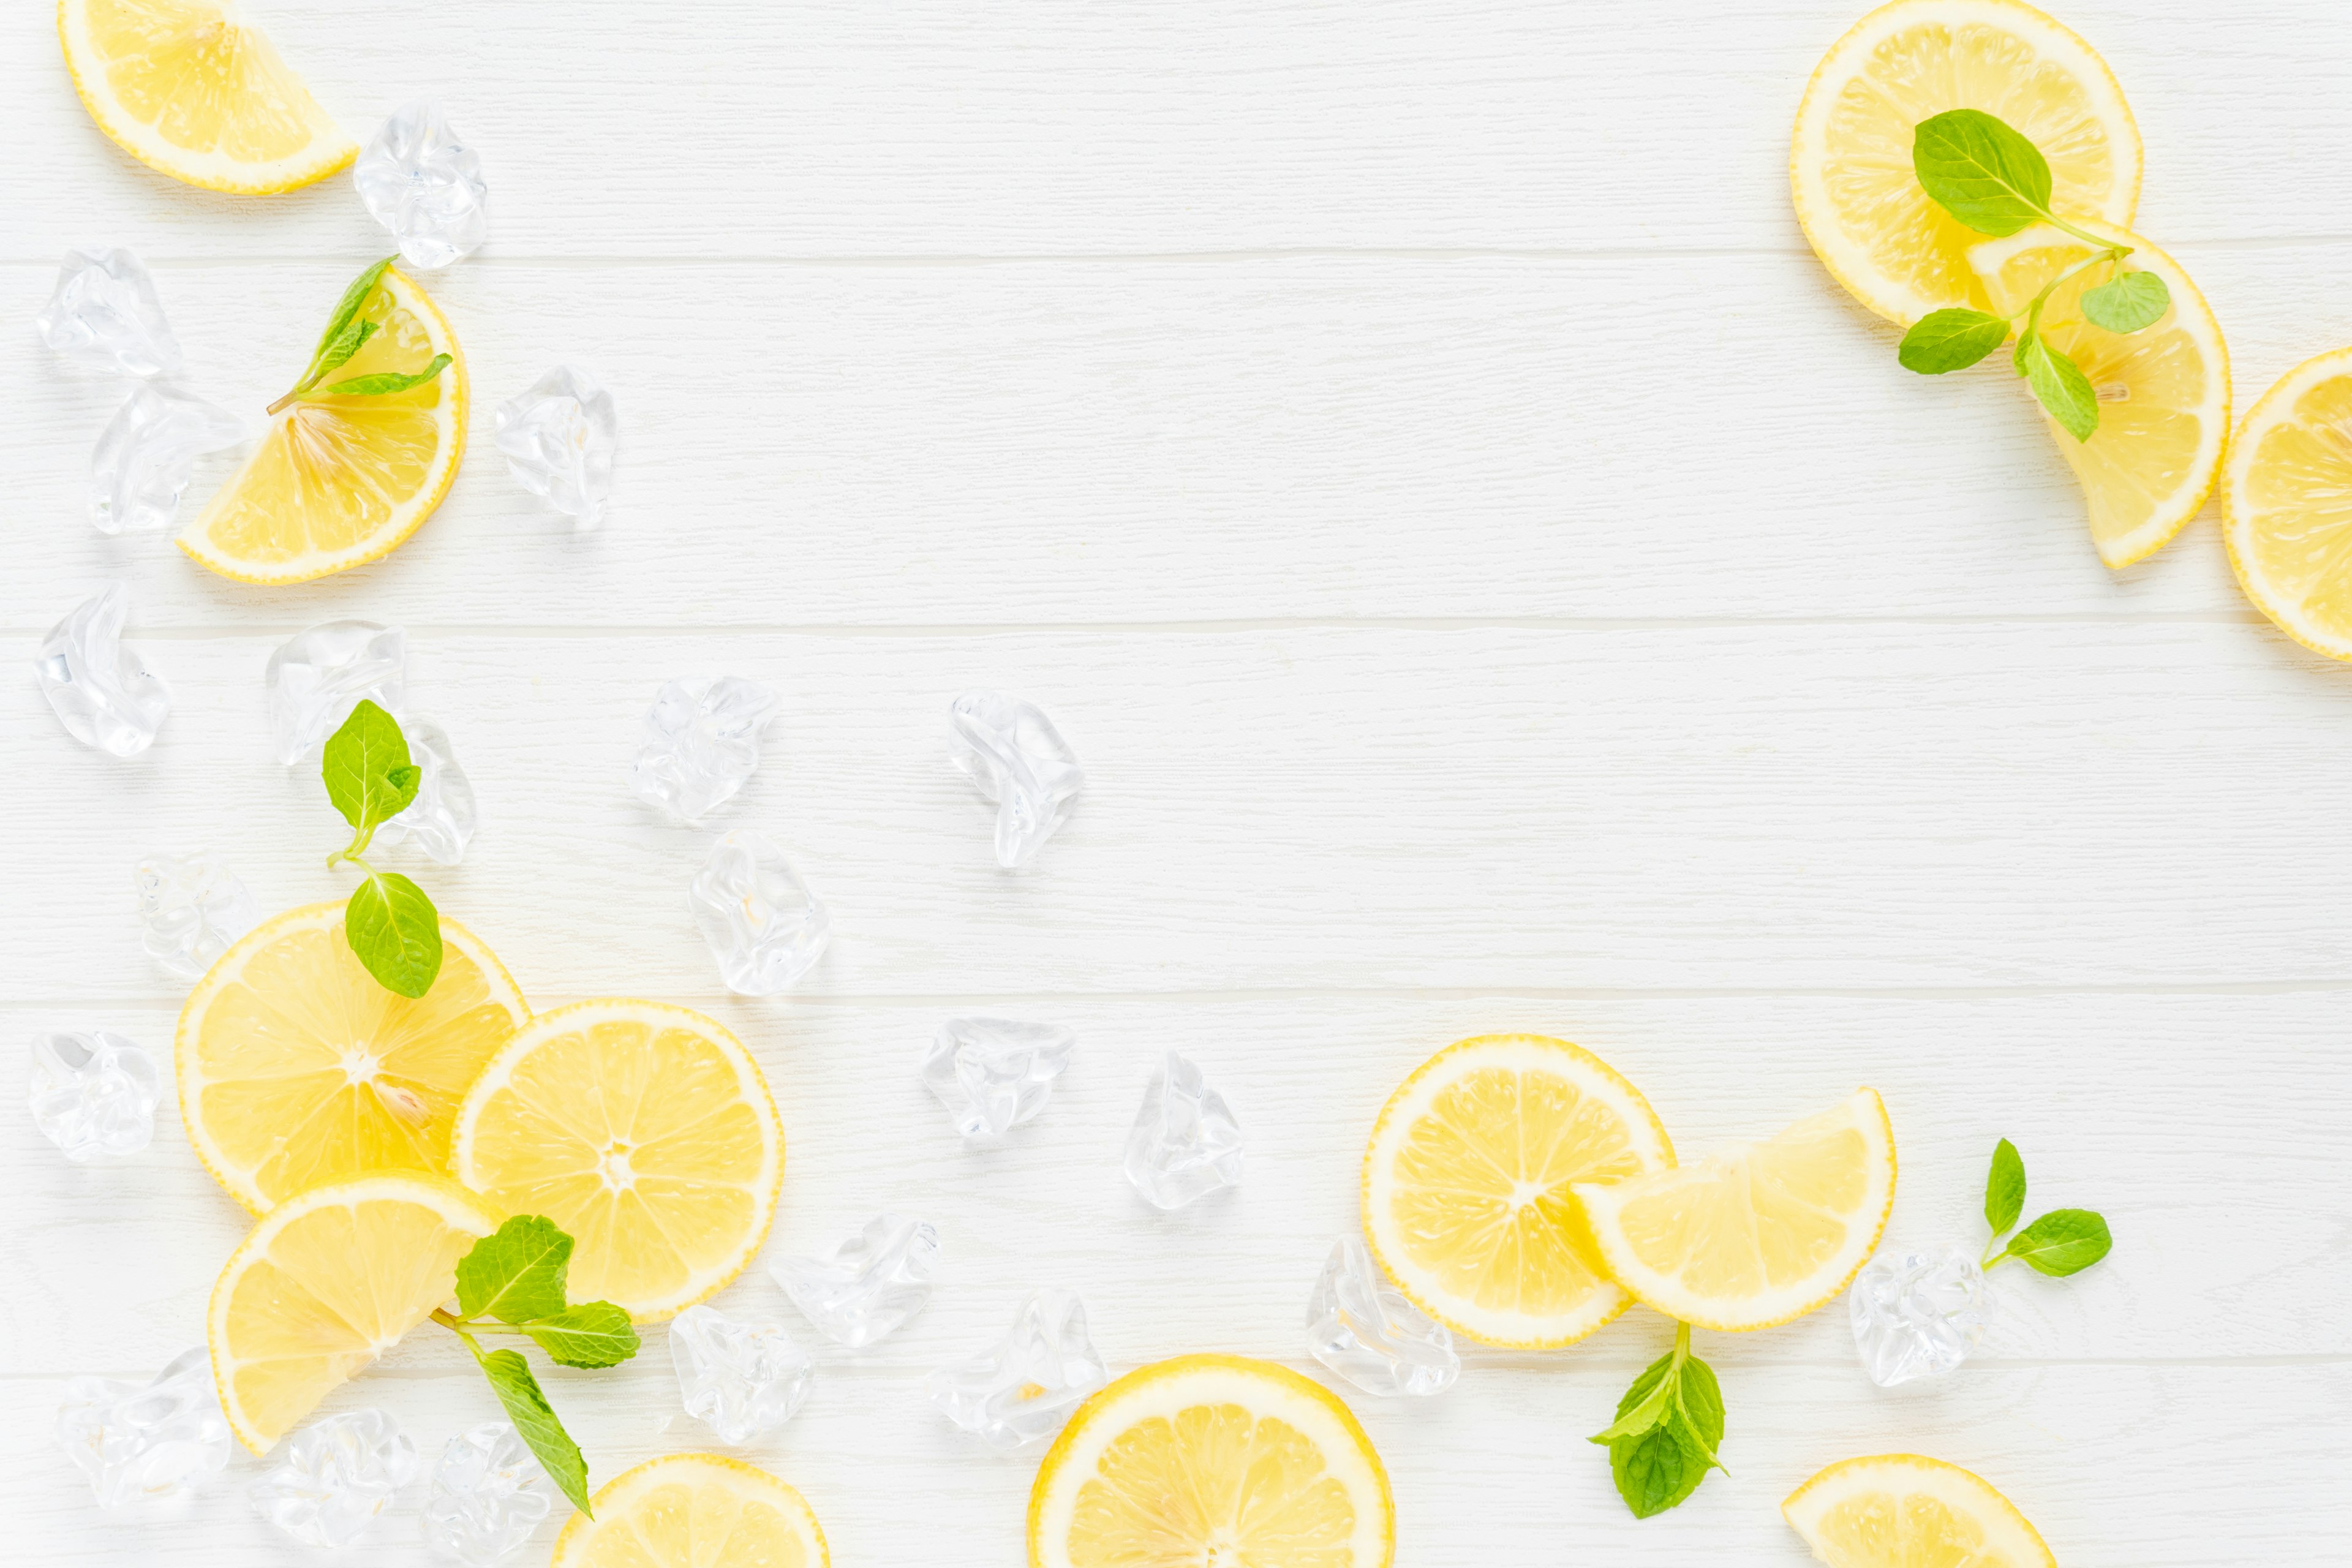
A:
(2005, 1187)
(349, 342)
(2128, 302)
(2060, 386)
(1646, 1403)
(1699, 1409)
(395, 931)
(591, 1334)
(535, 1422)
(515, 1274)
(385, 382)
(1944, 340)
(1654, 1471)
(2062, 1242)
(1989, 178)
(358, 767)
(348, 308)
(1668, 1427)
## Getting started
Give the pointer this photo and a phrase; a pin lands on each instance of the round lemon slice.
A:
(2287, 498)
(1859, 200)
(693, 1510)
(1467, 1185)
(326, 1282)
(1758, 1233)
(297, 1067)
(1212, 1459)
(1901, 1511)
(190, 88)
(2164, 391)
(336, 483)
(644, 1130)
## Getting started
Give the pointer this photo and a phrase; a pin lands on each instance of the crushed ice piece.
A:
(190, 911)
(98, 688)
(104, 316)
(424, 184)
(142, 1442)
(701, 745)
(871, 1284)
(1015, 757)
(442, 816)
(1185, 1143)
(316, 677)
(147, 454)
(994, 1073)
(741, 1380)
(559, 436)
(1362, 1328)
(487, 1496)
(764, 927)
(335, 1478)
(93, 1095)
(1918, 1314)
(1021, 1390)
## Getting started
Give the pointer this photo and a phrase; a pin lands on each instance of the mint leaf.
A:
(1668, 1427)
(360, 764)
(395, 931)
(349, 342)
(1656, 1471)
(591, 1334)
(535, 1422)
(2060, 386)
(354, 299)
(1645, 1405)
(515, 1274)
(385, 382)
(1699, 1404)
(2127, 302)
(2005, 1187)
(1989, 178)
(1944, 340)
(2062, 1242)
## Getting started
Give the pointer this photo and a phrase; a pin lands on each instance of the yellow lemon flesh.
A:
(1859, 200)
(186, 87)
(2287, 501)
(336, 483)
(1758, 1233)
(1467, 1185)
(2163, 390)
(326, 1282)
(296, 1066)
(645, 1132)
(1212, 1459)
(1901, 1511)
(693, 1510)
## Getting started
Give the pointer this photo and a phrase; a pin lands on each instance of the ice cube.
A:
(335, 1478)
(148, 453)
(1015, 757)
(1185, 1143)
(191, 910)
(1362, 1328)
(104, 316)
(1918, 1314)
(442, 817)
(93, 1095)
(741, 1380)
(994, 1073)
(486, 1495)
(98, 688)
(700, 744)
(419, 180)
(146, 1441)
(315, 678)
(763, 925)
(559, 436)
(871, 1284)
(1021, 1391)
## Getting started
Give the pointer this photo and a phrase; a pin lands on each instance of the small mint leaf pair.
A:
(2062, 1242)
(1669, 1428)
(390, 924)
(347, 332)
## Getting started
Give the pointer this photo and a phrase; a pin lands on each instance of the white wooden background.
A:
(1495, 580)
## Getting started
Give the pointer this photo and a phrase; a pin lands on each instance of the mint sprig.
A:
(2062, 1242)
(1669, 1428)
(348, 333)
(1991, 179)
(390, 924)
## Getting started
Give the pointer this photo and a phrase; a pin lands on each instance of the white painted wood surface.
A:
(1494, 580)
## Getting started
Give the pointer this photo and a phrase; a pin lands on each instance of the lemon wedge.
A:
(1903, 1511)
(2287, 500)
(693, 1510)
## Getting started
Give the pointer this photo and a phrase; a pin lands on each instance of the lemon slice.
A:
(2286, 498)
(1901, 1511)
(1759, 1232)
(1212, 1459)
(326, 1282)
(2164, 391)
(1467, 1185)
(185, 86)
(336, 483)
(693, 1510)
(1857, 197)
(645, 1132)
(297, 1067)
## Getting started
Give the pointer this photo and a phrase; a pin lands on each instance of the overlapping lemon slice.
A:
(190, 87)
(2287, 495)
(1212, 1459)
(1903, 1511)
(693, 1510)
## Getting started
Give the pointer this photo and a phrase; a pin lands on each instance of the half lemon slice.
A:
(2286, 498)
(1903, 1511)
(693, 1510)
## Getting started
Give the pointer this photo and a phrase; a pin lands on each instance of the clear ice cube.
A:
(419, 180)
(700, 744)
(1918, 1314)
(487, 1494)
(316, 677)
(1021, 1391)
(1362, 1328)
(1185, 1143)
(994, 1073)
(443, 816)
(93, 1095)
(741, 1380)
(104, 316)
(763, 925)
(871, 1284)
(98, 688)
(335, 1478)
(190, 911)
(1015, 757)
(147, 454)
(559, 436)
(142, 1442)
